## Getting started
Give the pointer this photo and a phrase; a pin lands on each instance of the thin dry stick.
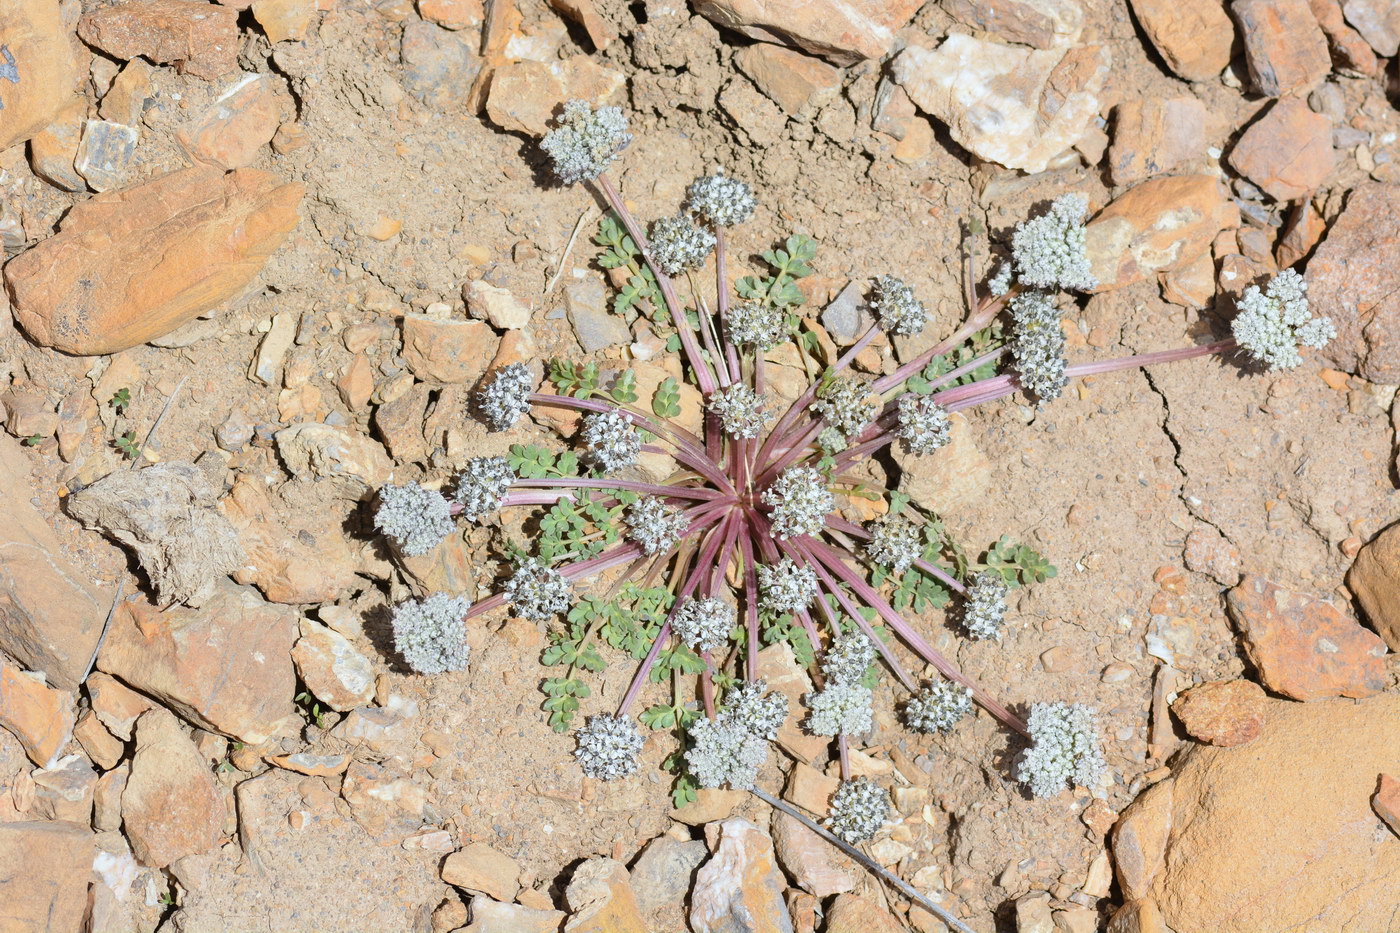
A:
(165, 410)
(870, 864)
(568, 248)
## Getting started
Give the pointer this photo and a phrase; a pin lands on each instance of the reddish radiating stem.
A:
(673, 492)
(850, 528)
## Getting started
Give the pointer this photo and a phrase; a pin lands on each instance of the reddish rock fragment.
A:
(45, 869)
(1154, 136)
(1225, 713)
(1386, 802)
(38, 63)
(1159, 226)
(1375, 579)
(1283, 44)
(1288, 152)
(1194, 37)
(202, 39)
(171, 806)
(38, 715)
(841, 32)
(1305, 227)
(236, 126)
(1349, 49)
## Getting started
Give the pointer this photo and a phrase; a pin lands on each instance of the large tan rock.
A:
(226, 666)
(1287, 152)
(1041, 24)
(740, 887)
(951, 476)
(1194, 37)
(447, 350)
(1159, 226)
(839, 31)
(332, 668)
(1152, 136)
(797, 83)
(38, 715)
(45, 869)
(1375, 581)
(36, 68)
(131, 265)
(1278, 835)
(525, 95)
(1283, 44)
(202, 37)
(171, 806)
(601, 899)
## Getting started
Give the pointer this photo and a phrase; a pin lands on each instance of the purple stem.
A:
(673, 492)
(750, 598)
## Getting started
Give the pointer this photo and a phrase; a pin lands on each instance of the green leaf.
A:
(624, 388)
(666, 403)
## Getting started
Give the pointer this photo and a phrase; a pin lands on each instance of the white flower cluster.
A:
(506, 397)
(586, 141)
(984, 613)
(839, 709)
(654, 525)
(724, 752)
(537, 592)
(1272, 324)
(750, 706)
(1000, 283)
(608, 747)
(800, 502)
(895, 542)
(849, 657)
(756, 324)
(895, 306)
(703, 624)
(844, 403)
(1066, 749)
(858, 810)
(786, 587)
(1038, 344)
(431, 634)
(482, 485)
(613, 441)
(938, 707)
(923, 424)
(720, 200)
(1049, 251)
(416, 518)
(740, 410)
(677, 244)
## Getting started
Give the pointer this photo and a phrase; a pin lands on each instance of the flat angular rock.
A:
(1194, 37)
(37, 74)
(740, 887)
(225, 667)
(202, 37)
(1283, 44)
(480, 868)
(1378, 21)
(132, 265)
(841, 32)
(52, 151)
(288, 564)
(1303, 647)
(1288, 152)
(662, 874)
(232, 131)
(797, 83)
(1224, 713)
(600, 899)
(1011, 105)
(171, 806)
(447, 350)
(490, 916)
(1375, 580)
(1386, 802)
(45, 869)
(385, 801)
(116, 705)
(353, 460)
(950, 477)
(1041, 24)
(104, 154)
(1350, 52)
(851, 913)
(285, 20)
(438, 66)
(594, 324)
(524, 96)
(38, 715)
(1160, 225)
(332, 668)
(813, 863)
(1152, 136)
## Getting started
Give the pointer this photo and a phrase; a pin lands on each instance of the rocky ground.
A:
(264, 251)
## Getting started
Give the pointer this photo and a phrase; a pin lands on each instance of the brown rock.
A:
(1137, 917)
(384, 800)
(302, 564)
(37, 69)
(1041, 24)
(236, 126)
(1194, 37)
(107, 798)
(1191, 285)
(740, 887)
(600, 899)
(284, 20)
(1378, 22)
(171, 806)
(452, 14)
(1283, 44)
(352, 460)
(200, 37)
(399, 423)
(225, 667)
(1386, 802)
(1018, 107)
(50, 616)
(64, 791)
(1361, 296)
(45, 869)
(1152, 136)
(28, 414)
(662, 874)
(332, 668)
(1305, 228)
(1224, 713)
(1375, 580)
(497, 305)
(104, 748)
(1349, 50)
(125, 100)
(38, 715)
(1140, 840)
(1303, 647)
(1158, 226)
(490, 916)
(135, 264)
(843, 33)
(777, 665)
(478, 868)
(356, 384)
(115, 704)
(600, 31)
(813, 863)
(950, 477)
(310, 764)
(797, 83)
(52, 151)
(1288, 152)
(711, 804)
(1304, 787)
(439, 66)
(525, 96)
(445, 350)
(851, 913)
(1208, 551)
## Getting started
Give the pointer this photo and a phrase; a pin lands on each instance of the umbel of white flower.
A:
(586, 141)
(677, 244)
(431, 635)
(895, 542)
(654, 525)
(1272, 324)
(608, 747)
(740, 410)
(844, 403)
(984, 613)
(848, 658)
(1038, 344)
(482, 485)
(703, 624)
(613, 441)
(751, 707)
(753, 323)
(839, 708)
(719, 200)
(896, 308)
(858, 810)
(1049, 251)
(800, 502)
(1065, 750)
(724, 752)
(923, 425)
(938, 707)
(786, 587)
(537, 592)
(506, 396)
(416, 518)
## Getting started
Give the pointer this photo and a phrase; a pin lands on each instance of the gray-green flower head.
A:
(752, 323)
(723, 752)
(984, 613)
(431, 634)
(1038, 344)
(923, 425)
(1000, 283)
(786, 587)
(416, 518)
(586, 141)
(613, 441)
(844, 403)
(677, 244)
(831, 440)
(858, 809)
(1049, 251)
(654, 525)
(839, 709)
(537, 592)
(720, 200)
(703, 624)
(749, 706)
(800, 502)
(938, 707)
(896, 308)
(849, 657)
(895, 542)
(740, 410)
(1065, 750)
(1272, 324)
(483, 484)
(506, 396)
(608, 747)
